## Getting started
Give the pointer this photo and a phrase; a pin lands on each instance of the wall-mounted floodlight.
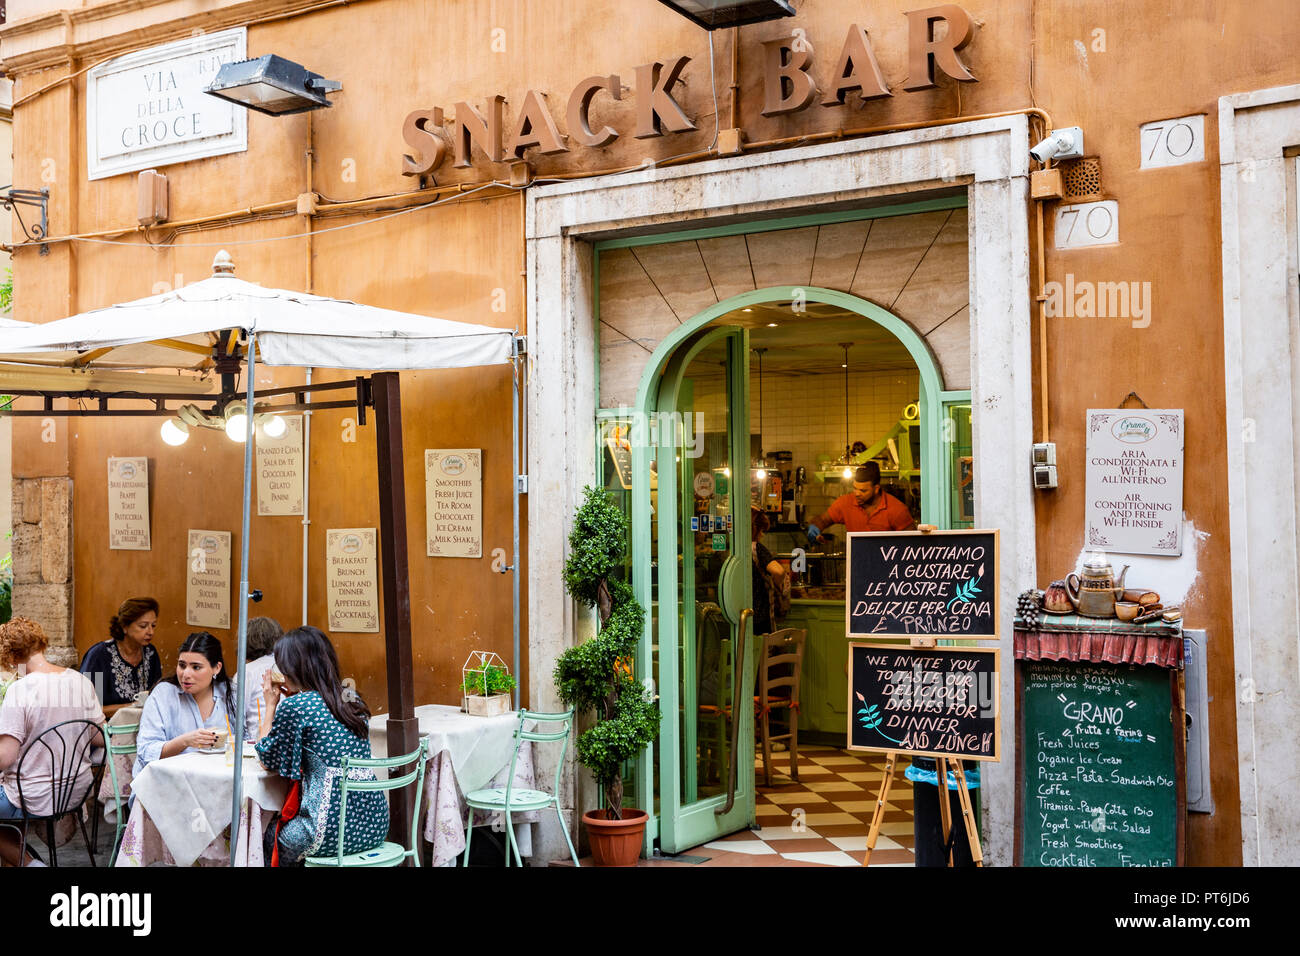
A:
(273, 85)
(716, 14)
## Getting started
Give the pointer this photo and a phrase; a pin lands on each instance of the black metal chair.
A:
(68, 745)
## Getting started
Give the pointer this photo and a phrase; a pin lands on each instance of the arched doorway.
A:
(693, 486)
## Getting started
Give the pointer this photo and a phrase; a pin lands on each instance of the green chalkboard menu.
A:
(916, 584)
(1099, 767)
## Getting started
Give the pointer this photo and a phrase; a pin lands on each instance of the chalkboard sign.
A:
(929, 701)
(909, 584)
(1099, 766)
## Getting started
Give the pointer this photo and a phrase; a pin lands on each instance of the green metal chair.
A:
(387, 854)
(118, 750)
(510, 799)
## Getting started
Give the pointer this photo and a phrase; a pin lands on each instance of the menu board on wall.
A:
(352, 580)
(453, 489)
(279, 470)
(1135, 480)
(930, 701)
(207, 582)
(912, 584)
(1099, 776)
(128, 504)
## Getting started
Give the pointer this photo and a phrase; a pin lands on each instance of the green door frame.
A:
(935, 482)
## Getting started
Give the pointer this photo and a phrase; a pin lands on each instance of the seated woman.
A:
(185, 712)
(308, 727)
(263, 632)
(127, 663)
(48, 695)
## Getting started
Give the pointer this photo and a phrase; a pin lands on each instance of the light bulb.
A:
(237, 427)
(761, 474)
(848, 473)
(726, 472)
(274, 426)
(175, 432)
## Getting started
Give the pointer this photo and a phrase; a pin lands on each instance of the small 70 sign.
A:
(1087, 224)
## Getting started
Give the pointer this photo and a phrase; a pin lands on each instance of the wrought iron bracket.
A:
(11, 198)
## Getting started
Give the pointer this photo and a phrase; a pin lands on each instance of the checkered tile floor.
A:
(824, 818)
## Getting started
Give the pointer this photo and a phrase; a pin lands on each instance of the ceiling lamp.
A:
(272, 85)
(175, 432)
(272, 426)
(717, 14)
(848, 447)
(760, 463)
(237, 421)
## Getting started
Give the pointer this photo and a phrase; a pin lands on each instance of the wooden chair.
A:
(780, 668)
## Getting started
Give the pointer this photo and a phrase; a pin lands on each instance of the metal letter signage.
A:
(148, 108)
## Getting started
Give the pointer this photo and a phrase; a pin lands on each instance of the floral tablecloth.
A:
(125, 764)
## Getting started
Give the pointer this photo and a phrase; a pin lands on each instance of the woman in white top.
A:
(183, 713)
(46, 696)
(263, 632)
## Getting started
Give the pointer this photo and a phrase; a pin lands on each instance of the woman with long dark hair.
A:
(185, 711)
(308, 726)
(127, 663)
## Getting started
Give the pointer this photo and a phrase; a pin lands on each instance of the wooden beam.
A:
(403, 728)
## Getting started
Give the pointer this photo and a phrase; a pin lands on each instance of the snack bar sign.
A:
(148, 108)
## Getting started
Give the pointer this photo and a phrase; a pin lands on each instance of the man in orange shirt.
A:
(868, 508)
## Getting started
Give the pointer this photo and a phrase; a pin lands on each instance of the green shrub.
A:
(597, 675)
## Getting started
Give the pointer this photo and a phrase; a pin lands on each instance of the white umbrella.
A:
(182, 329)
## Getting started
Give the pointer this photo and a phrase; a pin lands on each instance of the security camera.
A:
(1064, 143)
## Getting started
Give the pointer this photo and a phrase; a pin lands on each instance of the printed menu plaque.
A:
(352, 580)
(279, 470)
(453, 488)
(1135, 480)
(207, 583)
(128, 504)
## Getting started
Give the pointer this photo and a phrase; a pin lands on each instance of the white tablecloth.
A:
(187, 798)
(465, 754)
(480, 747)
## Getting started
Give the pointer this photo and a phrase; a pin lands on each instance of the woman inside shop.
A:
(263, 632)
(309, 724)
(46, 696)
(127, 664)
(187, 711)
(768, 575)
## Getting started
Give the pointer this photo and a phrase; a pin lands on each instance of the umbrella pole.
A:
(237, 720)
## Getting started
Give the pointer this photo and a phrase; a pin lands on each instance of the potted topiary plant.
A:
(597, 676)
(487, 684)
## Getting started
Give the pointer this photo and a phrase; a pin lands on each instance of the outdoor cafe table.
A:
(465, 754)
(182, 809)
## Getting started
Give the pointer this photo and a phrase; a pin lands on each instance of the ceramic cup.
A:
(1127, 610)
(221, 739)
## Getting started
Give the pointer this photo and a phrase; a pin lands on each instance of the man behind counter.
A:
(868, 508)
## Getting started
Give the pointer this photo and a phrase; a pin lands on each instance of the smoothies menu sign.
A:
(207, 583)
(453, 488)
(148, 108)
(1135, 480)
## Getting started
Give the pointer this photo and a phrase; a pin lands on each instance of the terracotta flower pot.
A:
(615, 842)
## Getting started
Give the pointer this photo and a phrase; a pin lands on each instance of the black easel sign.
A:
(926, 701)
(915, 584)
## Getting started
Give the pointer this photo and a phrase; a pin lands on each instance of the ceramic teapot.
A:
(1095, 592)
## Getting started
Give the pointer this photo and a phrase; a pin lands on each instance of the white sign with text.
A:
(1135, 480)
(128, 504)
(148, 108)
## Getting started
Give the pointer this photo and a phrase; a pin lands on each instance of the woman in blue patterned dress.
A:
(308, 726)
